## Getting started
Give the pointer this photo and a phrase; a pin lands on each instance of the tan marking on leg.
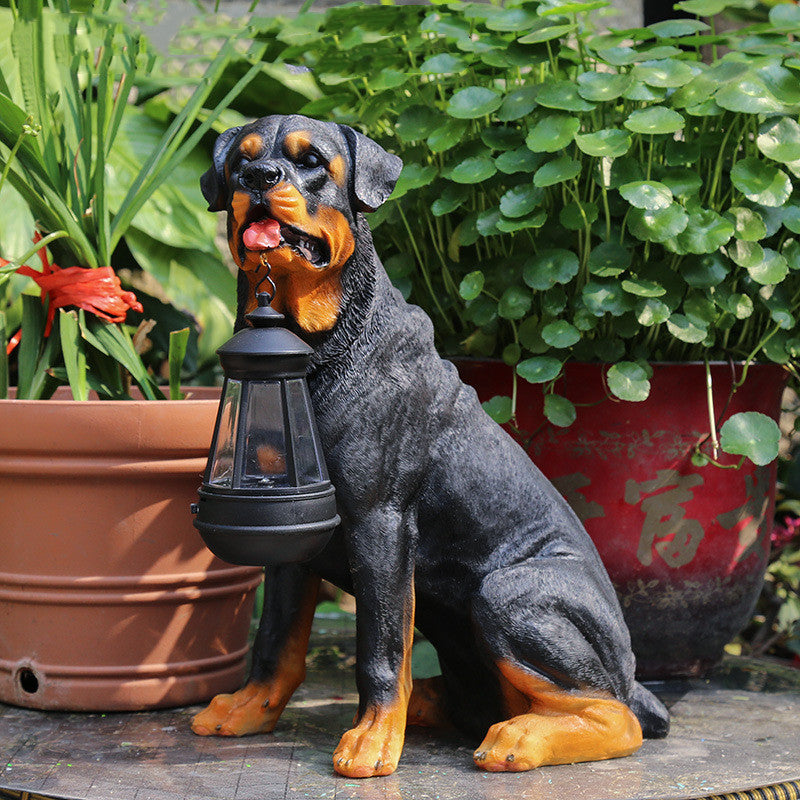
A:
(559, 727)
(257, 707)
(374, 745)
(426, 707)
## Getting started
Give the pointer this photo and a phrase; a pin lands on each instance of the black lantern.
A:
(266, 497)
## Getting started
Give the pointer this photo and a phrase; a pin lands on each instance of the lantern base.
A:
(253, 530)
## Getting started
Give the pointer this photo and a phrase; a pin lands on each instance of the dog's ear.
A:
(375, 172)
(212, 182)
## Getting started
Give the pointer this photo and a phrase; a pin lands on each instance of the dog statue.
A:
(446, 523)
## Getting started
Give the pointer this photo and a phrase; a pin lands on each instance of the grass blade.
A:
(3, 357)
(28, 352)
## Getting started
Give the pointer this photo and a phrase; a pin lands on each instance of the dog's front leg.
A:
(279, 651)
(381, 551)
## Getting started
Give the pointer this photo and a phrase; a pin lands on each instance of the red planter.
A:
(685, 547)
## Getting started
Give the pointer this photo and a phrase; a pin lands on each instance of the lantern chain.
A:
(271, 293)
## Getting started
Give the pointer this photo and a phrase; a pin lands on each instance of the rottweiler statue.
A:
(447, 526)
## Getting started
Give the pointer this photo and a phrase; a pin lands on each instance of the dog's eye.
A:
(310, 160)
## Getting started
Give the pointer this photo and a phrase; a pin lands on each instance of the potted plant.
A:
(615, 219)
(108, 593)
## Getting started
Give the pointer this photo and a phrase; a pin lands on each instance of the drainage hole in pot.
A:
(27, 680)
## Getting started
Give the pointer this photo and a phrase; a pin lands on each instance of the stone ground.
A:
(738, 729)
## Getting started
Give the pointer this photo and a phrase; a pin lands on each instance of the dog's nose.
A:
(262, 175)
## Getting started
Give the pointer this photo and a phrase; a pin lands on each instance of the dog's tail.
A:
(650, 711)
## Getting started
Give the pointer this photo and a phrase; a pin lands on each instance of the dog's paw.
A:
(250, 710)
(426, 706)
(373, 747)
(512, 746)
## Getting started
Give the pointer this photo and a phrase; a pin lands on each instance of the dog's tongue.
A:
(262, 235)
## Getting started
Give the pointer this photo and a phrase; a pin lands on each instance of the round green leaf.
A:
(642, 288)
(682, 182)
(518, 104)
(499, 409)
(546, 34)
(486, 223)
(514, 303)
(654, 120)
(443, 64)
(473, 102)
(609, 259)
(791, 218)
(519, 160)
(704, 270)
(647, 194)
(418, 122)
(740, 305)
(562, 95)
(651, 312)
(628, 381)
(501, 137)
(520, 201)
(473, 170)
(535, 220)
(705, 232)
(560, 169)
(552, 132)
(681, 327)
(560, 334)
(608, 143)
(449, 135)
(577, 216)
(664, 74)
(748, 95)
(602, 86)
(657, 226)
(675, 28)
(413, 176)
(643, 93)
(746, 254)
(512, 354)
(748, 224)
(472, 285)
(751, 434)
(559, 410)
(512, 19)
(549, 267)
(601, 297)
(771, 269)
(541, 369)
(761, 182)
(779, 139)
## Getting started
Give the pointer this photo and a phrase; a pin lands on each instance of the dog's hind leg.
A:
(279, 651)
(382, 547)
(553, 628)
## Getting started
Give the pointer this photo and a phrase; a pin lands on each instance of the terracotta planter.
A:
(108, 598)
(685, 547)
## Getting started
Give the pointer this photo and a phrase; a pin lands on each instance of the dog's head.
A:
(292, 187)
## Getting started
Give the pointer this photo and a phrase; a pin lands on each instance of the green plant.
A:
(90, 159)
(573, 193)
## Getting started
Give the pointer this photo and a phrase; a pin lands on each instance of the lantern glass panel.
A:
(221, 471)
(265, 457)
(307, 463)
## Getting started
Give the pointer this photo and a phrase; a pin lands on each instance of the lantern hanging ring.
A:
(271, 293)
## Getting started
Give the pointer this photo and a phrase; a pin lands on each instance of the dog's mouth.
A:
(270, 234)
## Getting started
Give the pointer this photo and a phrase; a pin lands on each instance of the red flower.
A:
(97, 290)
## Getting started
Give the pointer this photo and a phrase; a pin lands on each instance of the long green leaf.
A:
(174, 144)
(109, 338)
(74, 355)
(3, 357)
(28, 351)
(178, 341)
